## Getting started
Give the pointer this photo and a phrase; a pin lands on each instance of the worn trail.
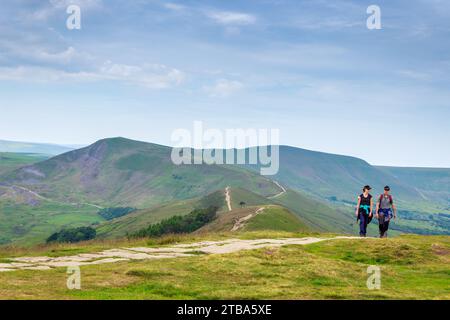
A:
(147, 253)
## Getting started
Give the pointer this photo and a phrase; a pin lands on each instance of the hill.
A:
(259, 218)
(31, 147)
(135, 221)
(118, 172)
(336, 177)
(122, 172)
(431, 183)
(10, 161)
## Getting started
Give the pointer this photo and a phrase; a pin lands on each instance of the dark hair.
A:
(387, 188)
(367, 187)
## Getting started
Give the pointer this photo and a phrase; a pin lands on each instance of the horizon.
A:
(237, 148)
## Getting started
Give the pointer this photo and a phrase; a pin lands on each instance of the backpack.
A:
(381, 198)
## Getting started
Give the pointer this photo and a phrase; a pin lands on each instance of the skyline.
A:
(309, 68)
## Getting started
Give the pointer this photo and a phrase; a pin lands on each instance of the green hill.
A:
(275, 218)
(122, 172)
(432, 183)
(119, 172)
(135, 221)
(317, 215)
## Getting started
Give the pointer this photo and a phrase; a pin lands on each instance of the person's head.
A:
(387, 190)
(367, 188)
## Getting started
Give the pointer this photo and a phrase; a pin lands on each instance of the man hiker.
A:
(364, 210)
(385, 211)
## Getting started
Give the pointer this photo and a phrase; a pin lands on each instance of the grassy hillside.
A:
(255, 218)
(431, 183)
(315, 214)
(275, 218)
(24, 224)
(412, 267)
(140, 219)
(122, 172)
(11, 161)
(340, 178)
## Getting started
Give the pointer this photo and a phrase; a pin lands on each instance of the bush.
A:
(73, 235)
(112, 213)
(180, 224)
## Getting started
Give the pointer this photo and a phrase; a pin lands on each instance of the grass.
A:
(275, 218)
(412, 267)
(10, 160)
(29, 225)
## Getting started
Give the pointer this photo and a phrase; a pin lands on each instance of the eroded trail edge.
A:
(147, 253)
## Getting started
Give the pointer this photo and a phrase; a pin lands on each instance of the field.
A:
(412, 267)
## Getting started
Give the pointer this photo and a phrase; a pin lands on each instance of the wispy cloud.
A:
(148, 76)
(223, 88)
(174, 6)
(231, 18)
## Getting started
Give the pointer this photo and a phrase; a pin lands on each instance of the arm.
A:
(357, 206)
(395, 210)
(371, 207)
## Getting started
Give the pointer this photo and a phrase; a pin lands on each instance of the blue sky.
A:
(141, 69)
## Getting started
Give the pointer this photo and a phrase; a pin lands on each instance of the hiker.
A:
(385, 211)
(364, 210)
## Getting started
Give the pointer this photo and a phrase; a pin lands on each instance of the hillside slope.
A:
(118, 171)
(332, 176)
(10, 161)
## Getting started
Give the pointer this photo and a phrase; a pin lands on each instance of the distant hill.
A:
(319, 188)
(431, 183)
(122, 172)
(340, 178)
(10, 161)
(31, 147)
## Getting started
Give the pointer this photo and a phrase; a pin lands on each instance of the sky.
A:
(312, 69)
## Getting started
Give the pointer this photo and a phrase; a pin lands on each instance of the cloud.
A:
(415, 75)
(148, 76)
(231, 18)
(223, 88)
(174, 6)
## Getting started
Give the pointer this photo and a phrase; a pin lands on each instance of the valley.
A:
(41, 195)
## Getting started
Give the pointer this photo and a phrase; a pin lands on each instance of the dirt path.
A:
(38, 196)
(146, 253)
(240, 223)
(283, 190)
(228, 198)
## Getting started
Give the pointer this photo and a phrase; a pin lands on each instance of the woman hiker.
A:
(364, 210)
(385, 211)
